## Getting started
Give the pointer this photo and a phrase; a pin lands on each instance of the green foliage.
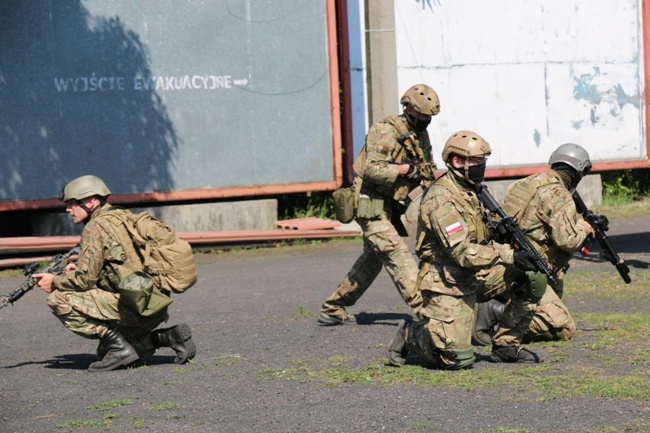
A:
(311, 204)
(624, 186)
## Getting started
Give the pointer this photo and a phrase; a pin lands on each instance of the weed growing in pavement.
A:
(301, 312)
(166, 406)
(108, 405)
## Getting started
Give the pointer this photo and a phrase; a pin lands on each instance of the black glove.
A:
(414, 171)
(525, 261)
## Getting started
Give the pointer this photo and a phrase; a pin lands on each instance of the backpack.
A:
(168, 259)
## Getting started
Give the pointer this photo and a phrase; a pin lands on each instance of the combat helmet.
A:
(573, 155)
(422, 98)
(467, 144)
(84, 187)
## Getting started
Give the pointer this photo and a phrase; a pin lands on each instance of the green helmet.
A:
(572, 155)
(84, 187)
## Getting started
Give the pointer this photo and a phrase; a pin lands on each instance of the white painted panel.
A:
(529, 75)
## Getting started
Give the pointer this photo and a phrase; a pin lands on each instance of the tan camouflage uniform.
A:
(546, 212)
(457, 261)
(86, 300)
(376, 180)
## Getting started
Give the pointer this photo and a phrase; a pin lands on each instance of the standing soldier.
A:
(457, 260)
(86, 298)
(395, 160)
(543, 206)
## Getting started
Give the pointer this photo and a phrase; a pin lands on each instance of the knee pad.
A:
(462, 358)
(533, 286)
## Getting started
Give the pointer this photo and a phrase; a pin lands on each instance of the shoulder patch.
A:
(453, 228)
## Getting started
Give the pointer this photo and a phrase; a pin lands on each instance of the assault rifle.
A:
(509, 229)
(56, 266)
(600, 224)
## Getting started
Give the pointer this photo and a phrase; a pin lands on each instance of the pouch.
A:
(138, 293)
(370, 208)
(344, 204)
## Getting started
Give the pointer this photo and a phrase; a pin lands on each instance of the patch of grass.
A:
(166, 406)
(612, 328)
(505, 430)
(301, 313)
(607, 284)
(108, 405)
(422, 427)
(76, 423)
(619, 208)
(226, 358)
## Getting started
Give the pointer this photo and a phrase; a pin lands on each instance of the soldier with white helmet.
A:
(395, 160)
(543, 206)
(457, 261)
(86, 298)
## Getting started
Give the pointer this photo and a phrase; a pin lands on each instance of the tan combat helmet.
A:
(467, 144)
(423, 99)
(84, 187)
(573, 155)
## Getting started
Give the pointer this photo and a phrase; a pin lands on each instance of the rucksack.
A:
(168, 259)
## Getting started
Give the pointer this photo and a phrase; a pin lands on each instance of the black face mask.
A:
(417, 124)
(476, 173)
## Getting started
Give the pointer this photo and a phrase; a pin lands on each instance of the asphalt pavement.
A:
(259, 351)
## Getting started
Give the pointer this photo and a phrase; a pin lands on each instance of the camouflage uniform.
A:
(378, 189)
(546, 212)
(457, 262)
(86, 300)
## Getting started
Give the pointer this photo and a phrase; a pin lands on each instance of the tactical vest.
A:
(517, 201)
(407, 148)
(522, 193)
(478, 231)
(473, 214)
(129, 261)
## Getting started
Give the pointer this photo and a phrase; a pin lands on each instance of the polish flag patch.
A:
(453, 228)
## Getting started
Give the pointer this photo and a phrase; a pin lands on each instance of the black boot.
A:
(102, 350)
(514, 354)
(118, 352)
(397, 351)
(178, 338)
(488, 315)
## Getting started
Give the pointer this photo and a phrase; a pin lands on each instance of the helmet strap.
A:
(82, 205)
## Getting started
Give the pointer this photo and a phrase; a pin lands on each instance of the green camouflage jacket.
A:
(103, 262)
(453, 237)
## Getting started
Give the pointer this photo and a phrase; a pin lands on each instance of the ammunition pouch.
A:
(344, 204)
(369, 207)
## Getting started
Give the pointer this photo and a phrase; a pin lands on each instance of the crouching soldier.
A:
(86, 299)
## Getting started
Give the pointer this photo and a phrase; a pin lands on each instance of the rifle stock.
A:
(56, 266)
(510, 230)
(600, 224)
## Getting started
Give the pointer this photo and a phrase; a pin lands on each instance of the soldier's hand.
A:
(44, 281)
(587, 227)
(525, 261)
(413, 171)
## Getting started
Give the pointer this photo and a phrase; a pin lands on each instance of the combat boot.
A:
(340, 317)
(487, 319)
(179, 338)
(102, 349)
(397, 351)
(514, 354)
(117, 352)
